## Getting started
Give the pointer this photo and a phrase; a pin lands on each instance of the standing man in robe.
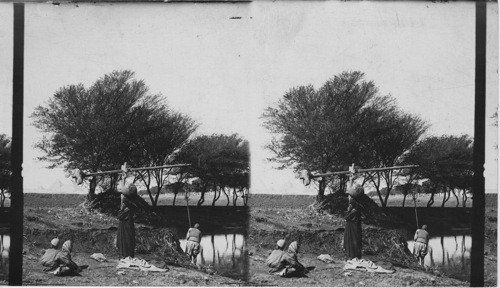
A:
(125, 239)
(353, 231)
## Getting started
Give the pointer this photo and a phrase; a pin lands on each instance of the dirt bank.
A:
(319, 234)
(94, 232)
(322, 234)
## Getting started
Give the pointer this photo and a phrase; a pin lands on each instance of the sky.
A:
(223, 63)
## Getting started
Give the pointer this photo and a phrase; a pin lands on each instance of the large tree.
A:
(447, 161)
(100, 127)
(5, 166)
(217, 160)
(390, 133)
(173, 131)
(345, 121)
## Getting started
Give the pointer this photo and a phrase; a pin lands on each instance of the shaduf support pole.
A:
(307, 176)
(78, 175)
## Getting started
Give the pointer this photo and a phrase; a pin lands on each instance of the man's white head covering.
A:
(67, 246)
(55, 242)
(281, 243)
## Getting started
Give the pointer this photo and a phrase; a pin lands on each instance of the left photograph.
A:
(136, 164)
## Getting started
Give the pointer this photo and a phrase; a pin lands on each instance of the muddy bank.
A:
(378, 244)
(160, 242)
(333, 275)
(94, 232)
(180, 273)
(322, 233)
(106, 274)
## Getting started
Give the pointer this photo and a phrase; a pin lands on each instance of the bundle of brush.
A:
(109, 201)
(388, 245)
(144, 211)
(161, 243)
(129, 190)
(336, 203)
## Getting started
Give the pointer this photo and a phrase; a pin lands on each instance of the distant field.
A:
(396, 201)
(73, 200)
(280, 201)
(53, 200)
(255, 200)
(168, 199)
(302, 201)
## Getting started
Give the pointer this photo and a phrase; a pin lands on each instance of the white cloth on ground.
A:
(99, 257)
(325, 258)
(138, 264)
(365, 266)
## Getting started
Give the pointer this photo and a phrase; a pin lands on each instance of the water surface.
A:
(4, 252)
(224, 252)
(451, 254)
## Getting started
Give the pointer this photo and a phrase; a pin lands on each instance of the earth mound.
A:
(336, 204)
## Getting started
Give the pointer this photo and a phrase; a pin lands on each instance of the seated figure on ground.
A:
(60, 263)
(51, 253)
(285, 264)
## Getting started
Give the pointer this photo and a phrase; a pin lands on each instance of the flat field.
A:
(73, 200)
(301, 201)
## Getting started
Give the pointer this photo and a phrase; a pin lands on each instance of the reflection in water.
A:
(451, 254)
(4, 251)
(225, 252)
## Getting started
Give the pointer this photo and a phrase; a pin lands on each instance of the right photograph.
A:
(362, 173)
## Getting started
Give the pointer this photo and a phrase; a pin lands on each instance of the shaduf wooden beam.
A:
(307, 176)
(78, 175)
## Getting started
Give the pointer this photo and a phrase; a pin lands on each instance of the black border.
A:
(17, 201)
(478, 203)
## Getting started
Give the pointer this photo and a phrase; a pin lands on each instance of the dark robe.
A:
(125, 238)
(352, 232)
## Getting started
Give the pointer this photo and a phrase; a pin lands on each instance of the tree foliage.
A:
(316, 129)
(5, 166)
(173, 131)
(390, 134)
(219, 162)
(344, 121)
(447, 161)
(116, 120)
